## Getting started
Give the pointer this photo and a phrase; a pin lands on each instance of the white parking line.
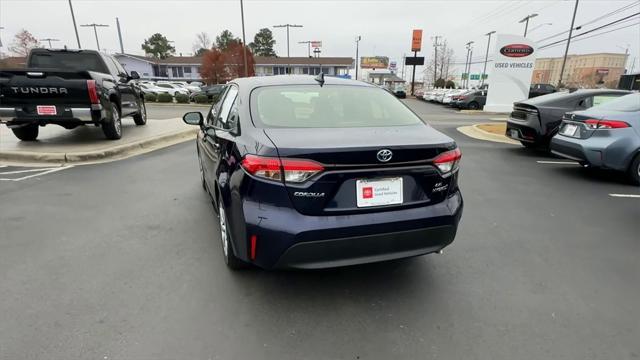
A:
(24, 171)
(625, 195)
(42, 172)
(557, 162)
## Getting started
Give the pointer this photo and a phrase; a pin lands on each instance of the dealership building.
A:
(588, 70)
(334, 66)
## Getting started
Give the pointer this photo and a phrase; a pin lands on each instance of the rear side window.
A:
(330, 106)
(629, 103)
(71, 61)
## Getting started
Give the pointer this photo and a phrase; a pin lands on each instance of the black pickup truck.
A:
(69, 88)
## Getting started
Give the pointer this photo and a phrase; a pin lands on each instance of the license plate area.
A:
(46, 110)
(569, 130)
(379, 192)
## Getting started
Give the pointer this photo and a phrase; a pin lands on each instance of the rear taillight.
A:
(295, 170)
(447, 162)
(606, 124)
(93, 91)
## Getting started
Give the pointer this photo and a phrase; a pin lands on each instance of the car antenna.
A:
(320, 78)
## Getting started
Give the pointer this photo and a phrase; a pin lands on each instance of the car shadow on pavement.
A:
(593, 176)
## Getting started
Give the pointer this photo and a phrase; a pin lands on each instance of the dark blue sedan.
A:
(321, 172)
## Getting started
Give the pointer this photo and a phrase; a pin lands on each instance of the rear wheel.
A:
(225, 236)
(26, 133)
(141, 117)
(112, 126)
(634, 170)
(474, 105)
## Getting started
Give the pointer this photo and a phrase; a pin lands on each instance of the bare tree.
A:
(203, 43)
(23, 42)
(444, 61)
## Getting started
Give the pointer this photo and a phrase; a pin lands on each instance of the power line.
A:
(594, 35)
(592, 30)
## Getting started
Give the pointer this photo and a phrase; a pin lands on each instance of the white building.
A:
(334, 66)
(171, 68)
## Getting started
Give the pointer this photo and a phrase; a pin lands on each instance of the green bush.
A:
(182, 98)
(201, 99)
(165, 98)
(150, 97)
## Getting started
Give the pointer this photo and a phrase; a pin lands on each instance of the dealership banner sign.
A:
(511, 70)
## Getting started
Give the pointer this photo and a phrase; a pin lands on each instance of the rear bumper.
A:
(522, 131)
(598, 151)
(16, 116)
(288, 239)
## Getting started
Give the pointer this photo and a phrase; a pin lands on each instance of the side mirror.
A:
(134, 75)
(193, 118)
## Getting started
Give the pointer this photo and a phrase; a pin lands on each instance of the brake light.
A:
(93, 91)
(605, 124)
(295, 170)
(447, 162)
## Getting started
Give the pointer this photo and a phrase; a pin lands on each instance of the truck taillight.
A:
(93, 92)
(295, 170)
(605, 124)
(447, 162)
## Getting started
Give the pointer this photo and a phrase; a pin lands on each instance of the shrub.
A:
(150, 97)
(165, 98)
(182, 98)
(202, 99)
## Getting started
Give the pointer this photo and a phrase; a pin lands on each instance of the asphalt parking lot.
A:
(122, 261)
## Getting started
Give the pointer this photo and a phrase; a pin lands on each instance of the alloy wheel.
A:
(223, 230)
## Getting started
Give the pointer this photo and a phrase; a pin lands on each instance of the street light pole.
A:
(357, 59)
(435, 60)
(566, 50)
(526, 21)
(95, 31)
(75, 27)
(308, 46)
(288, 26)
(467, 64)
(120, 36)
(486, 56)
(244, 43)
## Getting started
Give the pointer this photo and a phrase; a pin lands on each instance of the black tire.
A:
(473, 105)
(112, 125)
(26, 133)
(528, 145)
(141, 117)
(226, 238)
(634, 171)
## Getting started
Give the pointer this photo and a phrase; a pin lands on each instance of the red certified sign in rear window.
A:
(516, 50)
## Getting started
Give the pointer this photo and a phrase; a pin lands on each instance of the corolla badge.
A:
(384, 155)
(516, 50)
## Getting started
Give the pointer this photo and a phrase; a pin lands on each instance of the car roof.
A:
(562, 96)
(250, 83)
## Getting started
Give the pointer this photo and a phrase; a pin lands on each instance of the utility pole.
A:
(95, 31)
(435, 60)
(75, 27)
(1, 40)
(467, 64)
(288, 26)
(486, 56)
(244, 43)
(120, 36)
(358, 38)
(526, 21)
(566, 50)
(308, 46)
(404, 60)
(49, 40)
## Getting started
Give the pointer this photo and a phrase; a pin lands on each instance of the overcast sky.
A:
(385, 26)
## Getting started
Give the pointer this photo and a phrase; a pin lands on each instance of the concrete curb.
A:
(482, 112)
(475, 132)
(117, 152)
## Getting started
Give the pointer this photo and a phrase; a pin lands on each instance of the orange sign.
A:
(416, 41)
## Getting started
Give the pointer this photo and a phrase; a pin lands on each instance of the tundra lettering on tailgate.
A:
(39, 90)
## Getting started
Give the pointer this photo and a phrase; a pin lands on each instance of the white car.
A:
(190, 88)
(151, 88)
(172, 89)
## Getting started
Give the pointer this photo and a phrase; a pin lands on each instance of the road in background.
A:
(123, 261)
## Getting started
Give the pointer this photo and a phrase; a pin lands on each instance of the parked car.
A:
(535, 121)
(210, 90)
(150, 88)
(188, 87)
(457, 99)
(400, 92)
(172, 89)
(541, 89)
(472, 100)
(69, 88)
(605, 136)
(321, 173)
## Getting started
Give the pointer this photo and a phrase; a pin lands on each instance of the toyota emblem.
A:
(384, 155)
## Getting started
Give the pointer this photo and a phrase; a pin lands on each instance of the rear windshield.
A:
(70, 61)
(330, 106)
(629, 102)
